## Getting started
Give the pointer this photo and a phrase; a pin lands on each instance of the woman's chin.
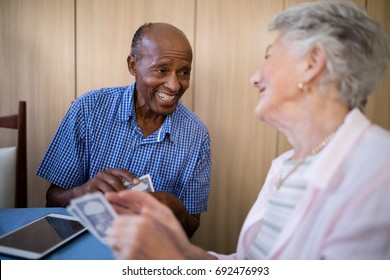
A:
(259, 113)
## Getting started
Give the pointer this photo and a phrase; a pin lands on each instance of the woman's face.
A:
(277, 82)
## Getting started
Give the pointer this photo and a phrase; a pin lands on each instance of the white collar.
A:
(330, 159)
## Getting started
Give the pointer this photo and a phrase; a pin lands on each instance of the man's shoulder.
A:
(104, 93)
(100, 98)
(184, 114)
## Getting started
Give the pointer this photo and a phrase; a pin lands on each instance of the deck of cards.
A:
(96, 213)
(146, 184)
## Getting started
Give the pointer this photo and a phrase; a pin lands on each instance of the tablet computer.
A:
(41, 236)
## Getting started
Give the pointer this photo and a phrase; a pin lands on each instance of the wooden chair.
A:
(18, 122)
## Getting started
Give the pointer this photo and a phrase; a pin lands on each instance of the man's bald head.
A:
(160, 33)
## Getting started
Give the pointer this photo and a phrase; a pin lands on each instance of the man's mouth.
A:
(165, 97)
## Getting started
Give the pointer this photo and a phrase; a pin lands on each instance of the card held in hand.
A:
(94, 212)
(145, 185)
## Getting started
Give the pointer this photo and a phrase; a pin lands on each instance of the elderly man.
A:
(121, 133)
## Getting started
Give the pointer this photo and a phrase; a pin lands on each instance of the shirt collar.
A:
(126, 112)
(126, 109)
(166, 129)
(321, 172)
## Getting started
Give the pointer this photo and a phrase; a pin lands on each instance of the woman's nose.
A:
(255, 79)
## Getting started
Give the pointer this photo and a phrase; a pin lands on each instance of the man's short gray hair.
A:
(137, 40)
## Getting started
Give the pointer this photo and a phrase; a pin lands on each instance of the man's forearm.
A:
(191, 224)
(59, 197)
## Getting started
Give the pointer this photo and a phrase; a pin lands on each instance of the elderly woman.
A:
(327, 198)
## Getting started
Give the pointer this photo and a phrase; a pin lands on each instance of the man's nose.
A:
(172, 82)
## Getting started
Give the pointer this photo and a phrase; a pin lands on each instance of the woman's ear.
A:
(316, 61)
(131, 64)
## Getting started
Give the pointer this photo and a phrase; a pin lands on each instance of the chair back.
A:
(19, 122)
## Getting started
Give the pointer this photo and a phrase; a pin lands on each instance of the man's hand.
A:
(109, 180)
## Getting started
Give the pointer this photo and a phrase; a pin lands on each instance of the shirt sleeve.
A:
(65, 163)
(197, 192)
(222, 256)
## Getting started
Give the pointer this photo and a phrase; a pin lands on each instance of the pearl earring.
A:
(300, 86)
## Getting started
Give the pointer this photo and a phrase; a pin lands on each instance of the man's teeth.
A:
(165, 97)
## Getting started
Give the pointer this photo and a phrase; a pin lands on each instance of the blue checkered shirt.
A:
(100, 131)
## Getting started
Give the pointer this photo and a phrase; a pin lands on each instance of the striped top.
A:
(279, 207)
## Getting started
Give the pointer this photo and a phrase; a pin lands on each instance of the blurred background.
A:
(52, 51)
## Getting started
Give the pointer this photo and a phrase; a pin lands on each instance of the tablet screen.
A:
(40, 236)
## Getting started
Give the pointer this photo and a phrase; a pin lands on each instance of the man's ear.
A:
(316, 62)
(131, 64)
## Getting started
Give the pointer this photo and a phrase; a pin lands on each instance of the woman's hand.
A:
(145, 228)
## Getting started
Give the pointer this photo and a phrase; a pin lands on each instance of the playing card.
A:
(95, 212)
(145, 185)
(72, 210)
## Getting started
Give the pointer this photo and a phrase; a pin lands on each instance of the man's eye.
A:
(160, 70)
(185, 72)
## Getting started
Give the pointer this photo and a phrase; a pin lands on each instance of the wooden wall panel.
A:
(104, 32)
(37, 65)
(378, 106)
(231, 38)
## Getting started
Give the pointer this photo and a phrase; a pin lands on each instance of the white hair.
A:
(357, 47)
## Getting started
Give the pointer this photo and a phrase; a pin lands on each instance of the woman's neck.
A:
(315, 126)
